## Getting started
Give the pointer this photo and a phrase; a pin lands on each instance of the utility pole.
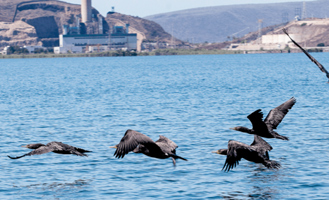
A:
(260, 24)
(304, 11)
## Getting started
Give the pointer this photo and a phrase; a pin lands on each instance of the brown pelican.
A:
(308, 55)
(140, 143)
(266, 128)
(56, 147)
(257, 152)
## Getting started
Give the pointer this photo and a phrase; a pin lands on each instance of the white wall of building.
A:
(83, 40)
(98, 48)
(114, 41)
(31, 49)
(68, 49)
(279, 39)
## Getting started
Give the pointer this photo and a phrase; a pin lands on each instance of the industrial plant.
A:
(51, 26)
(88, 35)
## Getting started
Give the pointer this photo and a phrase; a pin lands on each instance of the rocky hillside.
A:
(48, 16)
(216, 24)
(18, 34)
(313, 31)
(151, 31)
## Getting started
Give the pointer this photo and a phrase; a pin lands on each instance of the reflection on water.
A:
(260, 183)
(263, 184)
(234, 195)
(55, 189)
(45, 186)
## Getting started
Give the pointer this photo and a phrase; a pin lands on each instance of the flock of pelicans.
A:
(256, 152)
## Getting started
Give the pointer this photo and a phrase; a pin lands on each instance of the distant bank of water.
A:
(125, 53)
(155, 53)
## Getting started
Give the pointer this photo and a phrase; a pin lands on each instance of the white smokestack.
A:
(86, 11)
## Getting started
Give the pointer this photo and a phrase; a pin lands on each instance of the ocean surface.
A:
(193, 100)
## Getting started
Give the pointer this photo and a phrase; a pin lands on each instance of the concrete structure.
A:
(68, 49)
(279, 38)
(97, 48)
(255, 47)
(86, 11)
(83, 40)
(81, 43)
(32, 49)
(150, 46)
(268, 42)
(5, 50)
(90, 37)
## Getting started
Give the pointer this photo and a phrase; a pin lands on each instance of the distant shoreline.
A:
(152, 53)
(124, 53)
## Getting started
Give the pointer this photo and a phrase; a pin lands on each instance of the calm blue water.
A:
(193, 100)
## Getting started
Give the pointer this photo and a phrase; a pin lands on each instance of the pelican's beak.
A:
(234, 128)
(114, 147)
(215, 152)
(24, 146)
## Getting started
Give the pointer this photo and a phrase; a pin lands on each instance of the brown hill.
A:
(151, 30)
(313, 31)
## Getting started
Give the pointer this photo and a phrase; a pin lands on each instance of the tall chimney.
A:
(86, 11)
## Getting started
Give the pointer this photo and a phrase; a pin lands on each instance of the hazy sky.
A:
(144, 8)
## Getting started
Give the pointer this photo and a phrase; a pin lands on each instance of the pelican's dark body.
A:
(273, 119)
(139, 143)
(257, 152)
(56, 147)
(151, 152)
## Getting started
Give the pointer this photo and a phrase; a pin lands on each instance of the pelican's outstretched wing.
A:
(56, 147)
(38, 151)
(260, 145)
(308, 55)
(276, 115)
(59, 147)
(131, 140)
(234, 154)
(256, 119)
(166, 145)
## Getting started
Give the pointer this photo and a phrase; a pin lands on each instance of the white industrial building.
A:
(31, 49)
(279, 38)
(74, 40)
(267, 42)
(81, 43)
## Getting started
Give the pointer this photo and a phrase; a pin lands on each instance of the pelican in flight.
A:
(308, 55)
(266, 128)
(257, 152)
(56, 147)
(140, 143)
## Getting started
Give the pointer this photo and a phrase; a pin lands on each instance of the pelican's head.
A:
(221, 151)
(33, 146)
(236, 128)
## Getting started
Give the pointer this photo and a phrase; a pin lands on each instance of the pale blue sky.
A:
(144, 8)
